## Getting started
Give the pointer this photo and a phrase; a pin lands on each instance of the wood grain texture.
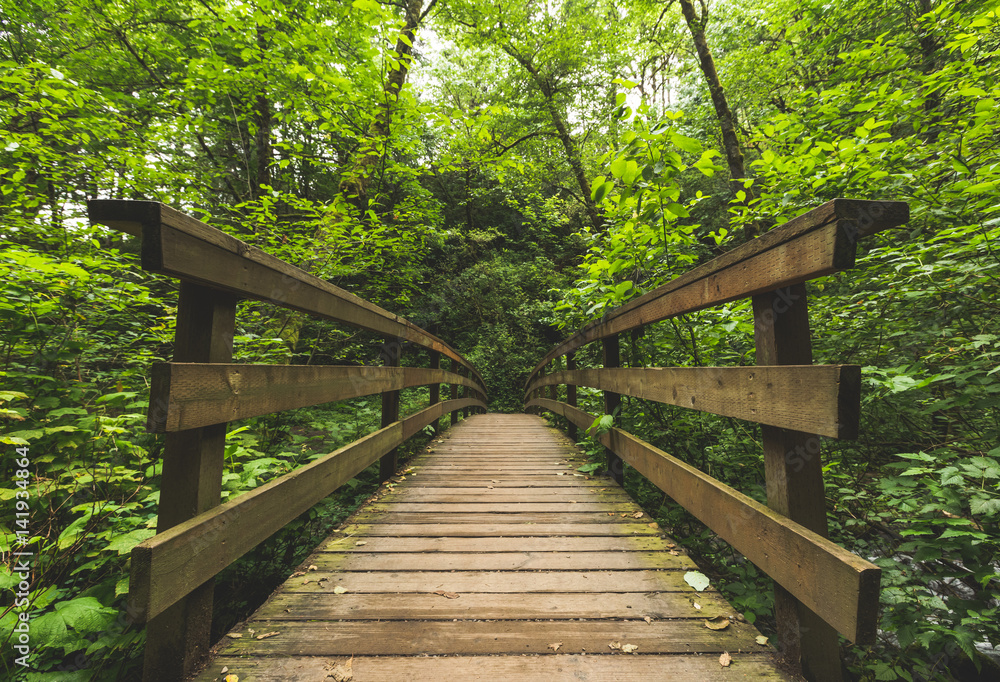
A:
(816, 243)
(189, 395)
(527, 668)
(176, 244)
(841, 587)
(169, 565)
(416, 579)
(818, 399)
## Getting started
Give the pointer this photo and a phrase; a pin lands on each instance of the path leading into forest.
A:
(492, 558)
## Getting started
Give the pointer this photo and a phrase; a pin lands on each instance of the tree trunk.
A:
(730, 142)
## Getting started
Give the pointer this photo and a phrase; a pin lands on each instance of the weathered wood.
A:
(525, 668)
(415, 422)
(816, 243)
(819, 399)
(793, 474)
(434, 391)
(831, 581)
(645, 543)
(298, 606)
(191, 483)
(178, 245)
(172, 563)
(454, 392)
(392, 352)
(611, 356)
(571, 394)
(498, 561)
(189, 395)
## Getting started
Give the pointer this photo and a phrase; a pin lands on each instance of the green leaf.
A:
(697, 580)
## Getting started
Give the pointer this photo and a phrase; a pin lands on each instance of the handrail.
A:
(814, 244)
(193, 398)
(824, 589)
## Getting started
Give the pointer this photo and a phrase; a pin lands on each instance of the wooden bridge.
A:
(490, 556)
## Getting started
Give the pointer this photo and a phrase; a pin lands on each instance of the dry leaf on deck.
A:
(298, 573)
(225, 669)
(267, 634)
(697, 605)
(555, 646)
(339, 589)
(341, 672)
(725, 659)
(717, 623)
(359, 543)
(762, 640)
(637, 515)
(630, 648)
(232, 678)
(312, 567)
(447, 595)
(654, 524)
(647, 619)
(234, 635)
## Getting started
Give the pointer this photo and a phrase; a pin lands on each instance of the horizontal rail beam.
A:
(177, 245)
(837, 585)
(811, 245)
(817, 399)
(170, 565)
(189, 395)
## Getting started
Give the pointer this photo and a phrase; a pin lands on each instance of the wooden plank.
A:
(429, 606)
(522, 668)
(489, 518)
(497, 544)
(500, 582)
(171, 564)
(413, 638)
(498, 528)
(176, 244)
(572, 507)
(189, 395)
(500, 561)
(839, 586)
(790, 253)
(819, 399)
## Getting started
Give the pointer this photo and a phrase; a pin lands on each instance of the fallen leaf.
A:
(360, 543)
(232, 678)
(225, 669)
(341, 672)
(339, 589)
(234, 635)
(611, 513)
(697, 605)
(615, 646)
(670, 545)
(674, 552)
(725, 659)
(312, 568)
(447, 595)
(654, 524)
(717, 623)
(697, 580)
(630, 648)
(267, 634)
(555, 646)
(762, 640)
(561, 473)
(251, 631)
(647, 619)
(637, 515)
(298, 573)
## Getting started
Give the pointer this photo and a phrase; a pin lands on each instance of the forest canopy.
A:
(501, 173)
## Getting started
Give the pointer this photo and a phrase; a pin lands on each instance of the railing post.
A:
(392, 351)
(456, 369)
(612, 401)
(435, 389)
(571, 395)
(191, 483)
(794, 483)
(465, 393)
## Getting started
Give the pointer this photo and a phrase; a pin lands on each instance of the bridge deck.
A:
(492, 558)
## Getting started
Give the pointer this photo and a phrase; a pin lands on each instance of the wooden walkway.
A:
(491, 558)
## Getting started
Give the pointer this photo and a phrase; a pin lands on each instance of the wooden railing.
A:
(193, 398)
(821, 589)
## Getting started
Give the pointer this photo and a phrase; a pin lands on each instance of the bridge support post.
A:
(612, 401)
(457, 369)
(435, 389)
(571, 395)
(178, 638)
(392, 350)
(794, 480)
